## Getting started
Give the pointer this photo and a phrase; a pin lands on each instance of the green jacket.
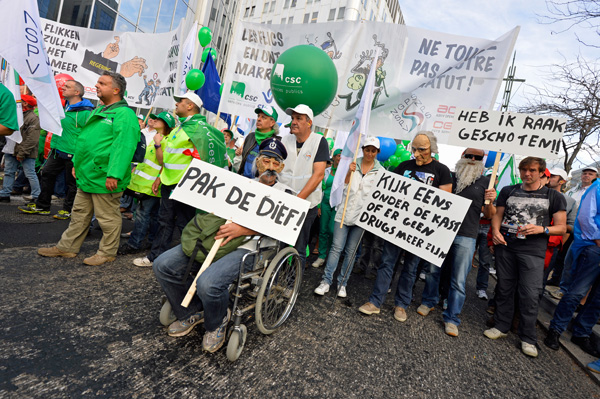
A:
(76, 116)
(105, 148)
(208, 140)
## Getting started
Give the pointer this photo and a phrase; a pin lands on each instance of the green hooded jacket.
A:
(105, 148)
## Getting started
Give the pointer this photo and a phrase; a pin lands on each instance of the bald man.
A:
(427, 170)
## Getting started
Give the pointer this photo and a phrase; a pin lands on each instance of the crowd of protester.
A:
(530, 235)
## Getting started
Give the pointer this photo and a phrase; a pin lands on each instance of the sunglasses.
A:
(473, 156)
(420, 149)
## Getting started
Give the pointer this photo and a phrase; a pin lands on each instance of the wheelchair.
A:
(270, 289)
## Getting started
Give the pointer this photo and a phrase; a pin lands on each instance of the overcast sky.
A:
(538, 45)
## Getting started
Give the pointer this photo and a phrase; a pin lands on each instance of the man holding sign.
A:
(211, 302)
(470, 184)
(526, 215)
(426, 169)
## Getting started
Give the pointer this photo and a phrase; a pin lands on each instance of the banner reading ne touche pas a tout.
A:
(422, 75)
(150, 62)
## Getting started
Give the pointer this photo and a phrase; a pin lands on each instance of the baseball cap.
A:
(336, 152)
(272, 112)
(546, 173)
(165, 117)
(190, 95)
(559, 172)
(590, 168)
(273, 148)
(373, 141)
(141, 117)
(301, 109)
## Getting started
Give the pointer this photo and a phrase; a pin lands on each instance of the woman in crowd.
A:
(348, 237)
(326, 212)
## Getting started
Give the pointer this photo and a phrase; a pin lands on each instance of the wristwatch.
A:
(156, 145)
(546, 231)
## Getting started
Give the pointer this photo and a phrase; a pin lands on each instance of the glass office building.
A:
(149, 16)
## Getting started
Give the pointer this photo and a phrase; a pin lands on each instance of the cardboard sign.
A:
(247, 202)
(510, 132)
(414, 216)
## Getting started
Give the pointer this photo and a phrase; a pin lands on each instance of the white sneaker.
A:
(322, 289)
(422, 276)
(318, 263)
(528, 349)
(481, 294)
(492, 271)
(342, 293)
(142, 262)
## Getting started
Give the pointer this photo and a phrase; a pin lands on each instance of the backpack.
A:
(140, 150)
(198, 237)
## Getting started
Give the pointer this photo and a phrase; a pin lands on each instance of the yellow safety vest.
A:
(146, 172)
(175, 162)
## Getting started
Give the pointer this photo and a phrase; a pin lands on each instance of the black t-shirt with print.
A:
(475, 192)
(528, 207)
(322, 151)
(433, 174)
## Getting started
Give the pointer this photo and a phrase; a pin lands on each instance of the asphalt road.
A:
(76, 331)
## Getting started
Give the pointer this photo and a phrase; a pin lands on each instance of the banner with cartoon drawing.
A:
(422, 76)
(149, 62)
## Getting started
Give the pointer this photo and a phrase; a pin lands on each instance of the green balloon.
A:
(221, 89)
(399, 150)
(213, 54)
(406, 143)
(330, 142)
(304, 75)
(204, 36)
(194, 79)
(394, 160)
(437, 157)
(405, 156)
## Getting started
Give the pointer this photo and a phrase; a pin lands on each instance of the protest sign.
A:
(149, 62)
(421, 77)
(247, 202)
(522, 134)
(414, 216)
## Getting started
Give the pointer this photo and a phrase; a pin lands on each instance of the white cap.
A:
(141, 117)
(190, 95)
(301, 109)
(559, 172)
(371, 141)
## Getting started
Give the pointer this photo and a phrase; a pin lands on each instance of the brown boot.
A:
(97, 260)
(54, 252)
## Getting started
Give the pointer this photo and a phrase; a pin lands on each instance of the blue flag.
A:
(209, 93)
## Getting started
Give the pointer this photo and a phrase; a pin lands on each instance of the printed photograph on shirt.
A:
(525, 210)
(426, 178)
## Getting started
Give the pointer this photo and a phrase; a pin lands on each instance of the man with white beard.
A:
(470, 184)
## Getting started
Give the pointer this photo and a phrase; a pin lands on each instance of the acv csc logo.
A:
(289, 79)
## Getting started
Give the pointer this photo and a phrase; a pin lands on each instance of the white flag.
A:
(11, 81)
(186, 60)
(359, 126)
(507, 173)
(22, 45)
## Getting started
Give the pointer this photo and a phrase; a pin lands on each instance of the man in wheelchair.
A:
(211, 303)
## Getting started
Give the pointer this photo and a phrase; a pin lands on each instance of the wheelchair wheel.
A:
(279, 290)
(166, 314)
(236, 343)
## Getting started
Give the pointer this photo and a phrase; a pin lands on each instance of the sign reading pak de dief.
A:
(522, 134)
(247, 202)
(414, 216)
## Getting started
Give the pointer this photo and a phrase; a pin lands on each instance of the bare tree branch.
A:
(584, 13)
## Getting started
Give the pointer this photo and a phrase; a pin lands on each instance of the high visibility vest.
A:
(146, 172)
(175, 162)
(298, 168)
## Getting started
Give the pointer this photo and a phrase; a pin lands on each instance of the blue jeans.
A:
(212, 294)
(385, 273)
(565, 280)
(347, 239)
(585, 272)
(460, 254)
(459, 258)
(10, 168)
(145, 222)
(485, 258)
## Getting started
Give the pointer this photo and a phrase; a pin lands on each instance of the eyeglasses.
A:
(420, 149)
(473, 156)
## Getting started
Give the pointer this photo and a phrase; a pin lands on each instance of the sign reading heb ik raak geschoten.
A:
(247, 202)
(414, 216)
(522, 134)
